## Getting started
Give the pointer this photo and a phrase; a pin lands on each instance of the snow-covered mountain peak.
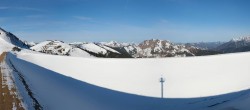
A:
(2, 32)
(240, 44)
(152, 43)
(162, 48)
(30, 44)
(76, 43)
(111, 44)
(244, 39)
(59, 48)
(114, 44)
(51, 46)
(3, 35)
(11, 39)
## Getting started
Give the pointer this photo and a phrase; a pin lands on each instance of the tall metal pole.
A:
(162, 80)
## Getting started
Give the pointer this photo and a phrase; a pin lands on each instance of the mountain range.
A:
(153, 48)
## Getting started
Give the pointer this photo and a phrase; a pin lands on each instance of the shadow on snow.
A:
(56, 91)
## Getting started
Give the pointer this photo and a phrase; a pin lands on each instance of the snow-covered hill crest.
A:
(59, 48)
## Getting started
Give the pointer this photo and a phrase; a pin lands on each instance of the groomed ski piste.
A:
(50, 82)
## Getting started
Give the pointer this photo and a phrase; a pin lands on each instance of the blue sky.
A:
(126, 20)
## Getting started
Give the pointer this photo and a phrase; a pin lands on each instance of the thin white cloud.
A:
(21, 8)
(29, 9)
(3, 8)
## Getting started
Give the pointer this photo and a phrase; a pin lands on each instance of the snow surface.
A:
(60, 48)
(76, 52)
(108, 48)
(40, 46)
(114, 44)
(3, 36)
(57, 47)
(11, 39)
(194, 83)
(185, 77)
(5, 46)
(93, 48)
(58, 92)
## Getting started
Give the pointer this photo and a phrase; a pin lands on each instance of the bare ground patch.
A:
(8, 95)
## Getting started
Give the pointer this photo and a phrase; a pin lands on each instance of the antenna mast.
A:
(162, 80)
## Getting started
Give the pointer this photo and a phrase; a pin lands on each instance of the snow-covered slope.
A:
(114, 44)
(12, 39)
(76, 49)
(5, 46)
(243, 39)
(59, 48)
(185, 77)
(108, 48)
(54, 91)
(99, 50)
(40, 46)
(93, 48)
(30, 44)
(195, 83)
(8, 41)
(133, 50)
(241, 44)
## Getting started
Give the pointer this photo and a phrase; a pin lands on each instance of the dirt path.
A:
(8, 95)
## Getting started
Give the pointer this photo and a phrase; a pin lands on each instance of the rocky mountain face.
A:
(12, 39)
(235, 45)
(162, 48)
(159, 48)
